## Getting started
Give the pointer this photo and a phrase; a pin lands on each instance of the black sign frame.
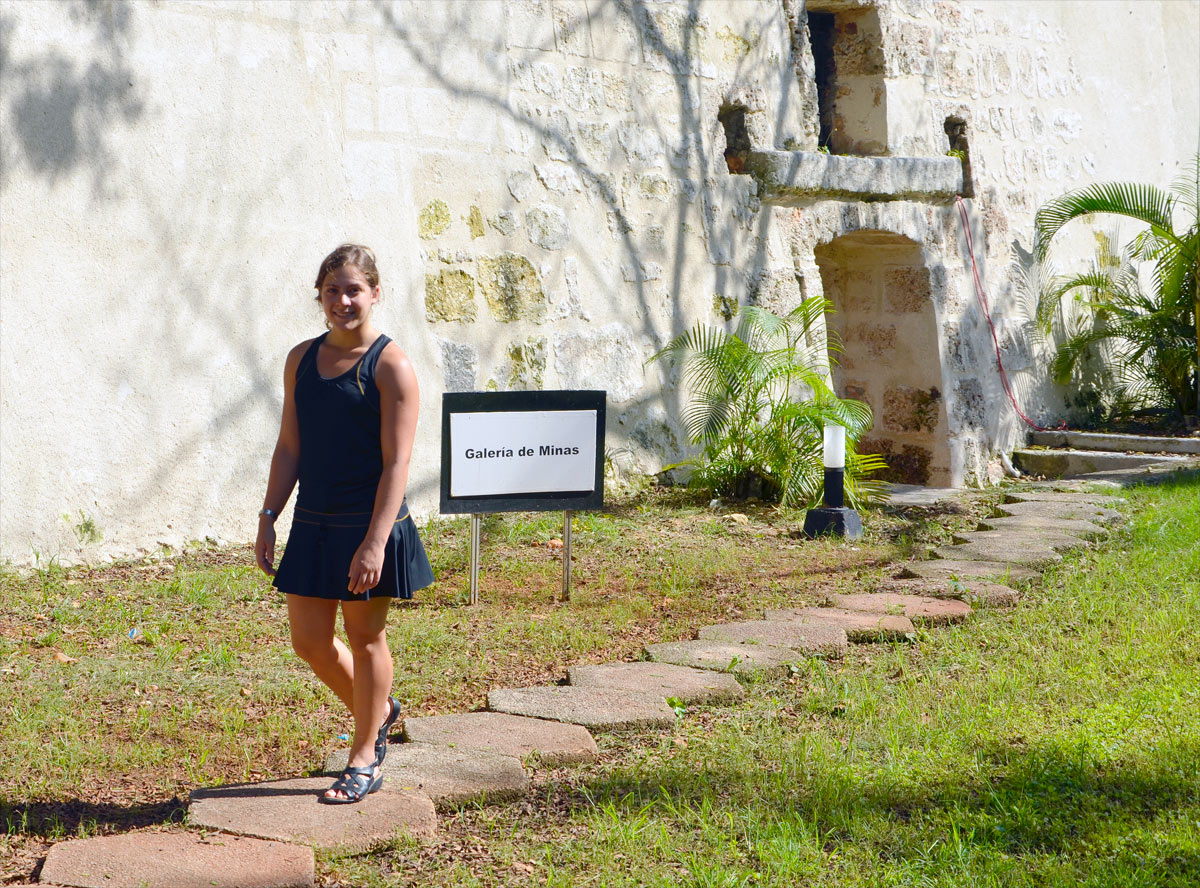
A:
(516, 402)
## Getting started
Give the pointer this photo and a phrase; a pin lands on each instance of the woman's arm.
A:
(285, 464)
(399, 401)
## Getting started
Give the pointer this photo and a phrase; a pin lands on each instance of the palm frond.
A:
(1145, 203)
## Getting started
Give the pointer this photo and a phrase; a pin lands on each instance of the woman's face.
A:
(346, 298)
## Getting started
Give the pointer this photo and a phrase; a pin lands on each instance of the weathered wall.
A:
(543, 182)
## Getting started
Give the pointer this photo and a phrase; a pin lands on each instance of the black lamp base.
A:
(838, 521)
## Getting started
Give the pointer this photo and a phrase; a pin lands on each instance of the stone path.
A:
(265, 833)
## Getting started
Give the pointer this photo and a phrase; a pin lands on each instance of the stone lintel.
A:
(798, 178)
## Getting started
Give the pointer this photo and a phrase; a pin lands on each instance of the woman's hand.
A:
(264, 546)
(365, 567)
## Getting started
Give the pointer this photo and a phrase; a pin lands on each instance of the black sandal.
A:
(381, 743)
(355, 783)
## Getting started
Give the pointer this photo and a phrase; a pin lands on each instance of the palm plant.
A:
(760, 398)
(1151, 334)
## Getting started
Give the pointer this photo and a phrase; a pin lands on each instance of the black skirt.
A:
(316, 562)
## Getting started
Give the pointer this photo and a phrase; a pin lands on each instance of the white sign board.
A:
(524, 451)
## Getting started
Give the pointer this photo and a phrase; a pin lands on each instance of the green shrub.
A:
(759, 399)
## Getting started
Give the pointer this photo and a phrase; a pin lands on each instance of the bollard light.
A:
(833, 517)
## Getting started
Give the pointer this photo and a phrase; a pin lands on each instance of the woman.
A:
(349, 418)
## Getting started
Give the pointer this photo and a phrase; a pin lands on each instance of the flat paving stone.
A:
(725, 656)
(1019, 540)
(448, 775)
(1071, 511)
(983, 593)
(178, 860)
(1062, 496)
(554, 743)
(1000, 552)
(924, 609)
(595, 708)
(1084, 530)
(686, 683)
(957, 567)
(815, 640)
(288, 811)
(860, 627)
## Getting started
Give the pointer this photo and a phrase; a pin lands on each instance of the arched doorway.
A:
(881, 291)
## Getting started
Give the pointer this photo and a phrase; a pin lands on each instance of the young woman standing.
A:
(349, 419)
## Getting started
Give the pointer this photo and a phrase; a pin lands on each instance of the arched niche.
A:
(883, 313)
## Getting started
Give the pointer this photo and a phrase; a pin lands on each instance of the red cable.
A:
(983, 303)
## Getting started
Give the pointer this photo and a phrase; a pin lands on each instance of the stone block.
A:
(433, 219)
(448, 776)
(907, 409)
(968, 569)
(1035, 523)
(794, 178)
(288, 811)
(907, 289)
(606, 358)
(554, 743)
(1000, 552)
(512, 288)
(812, 640)
(683, 682)
(922, 609)
(547, 227)
(1062, 510)
(1020, 538)
(450, 296)
(984, 593)
(595, 708)
(722, 656)
(860, 627)
(177, 860)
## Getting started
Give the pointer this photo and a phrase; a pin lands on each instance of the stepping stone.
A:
(554, 743)
(965, 569)
(721, 656)
(1072, 511)
(448, 775)
(860, 627)
(1056, 496)
(1001, 552)
(972, 591)
(1019, 541)
(288, 810)
(177, 860)
(924, 609)
(687, 684)
(596, 708)
(816, 640)
(1085, 530)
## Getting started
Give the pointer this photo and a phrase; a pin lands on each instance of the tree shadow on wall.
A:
(61, 109)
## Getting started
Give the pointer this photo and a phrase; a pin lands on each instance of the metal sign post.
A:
(476, 522)
(566, 587)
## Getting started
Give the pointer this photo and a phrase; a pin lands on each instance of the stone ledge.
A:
(797, 178)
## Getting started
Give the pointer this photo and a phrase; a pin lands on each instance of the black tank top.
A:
(341, 458)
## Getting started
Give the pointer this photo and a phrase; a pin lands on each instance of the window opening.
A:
(737, 138)
(821, 32)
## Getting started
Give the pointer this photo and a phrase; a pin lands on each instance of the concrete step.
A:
(1118, 443)
(1075, 463)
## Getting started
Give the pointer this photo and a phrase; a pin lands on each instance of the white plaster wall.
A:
(172, 173)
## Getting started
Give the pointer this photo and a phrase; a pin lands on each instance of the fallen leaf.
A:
(245, 692)
(737, 517)
(63, 658)
(555, 543)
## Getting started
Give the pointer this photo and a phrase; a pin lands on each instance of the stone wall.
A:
(546, 185)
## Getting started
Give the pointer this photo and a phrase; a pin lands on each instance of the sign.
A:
(522, 451)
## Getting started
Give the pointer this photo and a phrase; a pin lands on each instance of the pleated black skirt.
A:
(316, 562)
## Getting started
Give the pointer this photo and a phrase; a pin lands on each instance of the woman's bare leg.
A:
(312, 623)
(366, 630)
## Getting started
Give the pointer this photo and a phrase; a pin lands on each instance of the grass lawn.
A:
(1054, 744)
